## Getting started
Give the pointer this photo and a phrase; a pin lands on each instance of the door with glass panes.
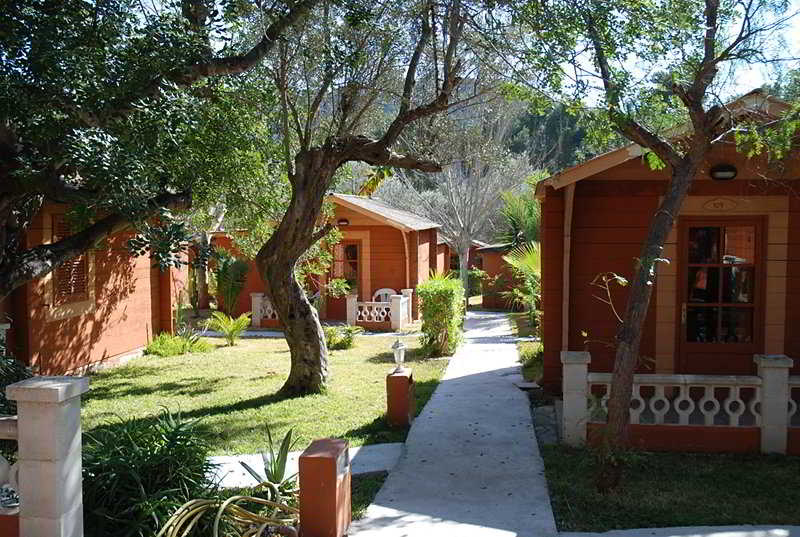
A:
(720, 295)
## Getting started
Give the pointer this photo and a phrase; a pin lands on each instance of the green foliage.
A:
(531, 356)
(337, 287)
(475, 277)
(136, 472)
(230, 327)
(275, 464)
(442, 308)
(165, 344)
(525, 261)
(231, 275)
(341, 337)
(11, 371)
(520, 219)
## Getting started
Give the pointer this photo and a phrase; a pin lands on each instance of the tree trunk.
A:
(629, 336)
(463, 265)
(276, 262)
(201, 277)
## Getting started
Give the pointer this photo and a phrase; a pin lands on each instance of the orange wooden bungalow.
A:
(384, 254)
(96, 310)
(721, 360)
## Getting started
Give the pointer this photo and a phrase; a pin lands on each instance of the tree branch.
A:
(43, 259)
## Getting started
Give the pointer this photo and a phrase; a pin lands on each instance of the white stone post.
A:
(774, 372)
(49, 440)
(256, 309)
(396, 305)
(409, 293)
(351, 309)
(575, 387)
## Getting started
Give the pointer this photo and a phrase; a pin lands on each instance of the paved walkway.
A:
(699, 531)
(471, 465)
(364, 460)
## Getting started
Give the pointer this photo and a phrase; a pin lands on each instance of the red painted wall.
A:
(133, 301)
(494, 265)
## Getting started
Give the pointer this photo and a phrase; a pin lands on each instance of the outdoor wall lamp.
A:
(723, 172)
(343, 222)
(399, 349)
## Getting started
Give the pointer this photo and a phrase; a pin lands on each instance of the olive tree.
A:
(121, 111)
(350, 80)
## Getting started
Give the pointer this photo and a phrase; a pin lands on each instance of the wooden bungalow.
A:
(719, 352)
(384, 254)
(99, 309)
(499, 271)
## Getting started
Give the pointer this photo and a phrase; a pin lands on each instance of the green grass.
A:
(531, 358)
(234, 391)
(363, 491)
(674, 489)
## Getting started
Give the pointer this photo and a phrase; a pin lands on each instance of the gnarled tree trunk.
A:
(276, 262)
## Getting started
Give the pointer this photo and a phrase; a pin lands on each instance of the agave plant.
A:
(275, 463)
(230, 327)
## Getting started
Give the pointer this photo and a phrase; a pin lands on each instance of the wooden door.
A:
(721, 282)
(346, 265)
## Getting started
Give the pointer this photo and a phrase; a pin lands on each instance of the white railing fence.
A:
(769, 400)
(397, 310)
(261, 308)
(47, 475)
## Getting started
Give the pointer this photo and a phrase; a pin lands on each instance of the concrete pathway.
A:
(364, 460)
(699, 531)
(471, 465)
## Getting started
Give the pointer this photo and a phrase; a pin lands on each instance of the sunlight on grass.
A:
(233, 390)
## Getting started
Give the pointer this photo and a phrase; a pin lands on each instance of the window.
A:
(345, 263)
(71, 279)
(721, 273)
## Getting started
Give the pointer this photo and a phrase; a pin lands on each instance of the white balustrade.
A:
(261, 308)
(396, 311)
(373, 312)
(769, 400)
(732, 401)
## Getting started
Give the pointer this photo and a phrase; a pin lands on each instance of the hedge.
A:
(442, 307)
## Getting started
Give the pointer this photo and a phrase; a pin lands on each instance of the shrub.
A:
(341, 337)
(165, 344)
(532, 359)
(230, 327)
(442, 307)
(137, 473)
(231, 275)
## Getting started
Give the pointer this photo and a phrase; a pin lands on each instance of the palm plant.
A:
(230, 327)
(231, 275)
(521, 219)
(525, 261)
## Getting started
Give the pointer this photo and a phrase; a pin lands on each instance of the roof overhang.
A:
(371, 214)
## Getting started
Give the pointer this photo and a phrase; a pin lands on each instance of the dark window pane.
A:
(704, 245)
(737, 285)
(737, 325)
(703, 284)
(740, 244)
(351, 251)
(701, 325)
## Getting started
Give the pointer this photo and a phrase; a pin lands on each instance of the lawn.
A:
(233, 390)
(674, 489)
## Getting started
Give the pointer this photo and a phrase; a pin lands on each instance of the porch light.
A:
(399, 349)
(723, 172)
(343, 222)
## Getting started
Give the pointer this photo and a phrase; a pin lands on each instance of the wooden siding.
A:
(552, 245)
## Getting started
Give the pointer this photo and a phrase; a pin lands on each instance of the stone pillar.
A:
(49, 439)
(409, 293)
(396, 303)
(351, 309)
(575, 387)
(774, 372)
(256, 308)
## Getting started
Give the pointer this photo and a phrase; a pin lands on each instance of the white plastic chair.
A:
(382, 295)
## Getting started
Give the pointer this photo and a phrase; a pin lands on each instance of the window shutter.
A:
(70, 279)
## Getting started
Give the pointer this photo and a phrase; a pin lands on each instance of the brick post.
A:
(49, 439)
(325, 505)
(774, 372)
(256, 308)
(575, 389)
(351, 309)
(396, 303)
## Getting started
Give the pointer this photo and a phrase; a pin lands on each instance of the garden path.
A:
(471, 465)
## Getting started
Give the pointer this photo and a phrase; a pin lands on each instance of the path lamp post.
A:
(400, 401)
